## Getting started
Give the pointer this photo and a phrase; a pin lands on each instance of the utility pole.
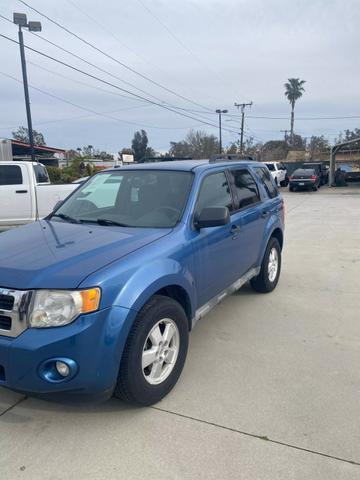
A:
(242, 106)
(220, 139)
(285, 132)
(21, 20)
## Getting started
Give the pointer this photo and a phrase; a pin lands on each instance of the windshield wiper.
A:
(105, 222)
(65, 217)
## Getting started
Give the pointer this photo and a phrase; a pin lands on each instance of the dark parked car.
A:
(304, 178)
(321, 170)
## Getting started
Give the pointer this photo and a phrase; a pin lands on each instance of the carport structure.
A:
(334, 150)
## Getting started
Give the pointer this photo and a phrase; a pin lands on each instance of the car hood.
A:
(49, 254)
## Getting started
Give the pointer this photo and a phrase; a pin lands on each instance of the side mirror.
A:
(212, 217)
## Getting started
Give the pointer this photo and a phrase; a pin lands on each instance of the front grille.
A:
(5, 323)
(14, 307)
(6, 302)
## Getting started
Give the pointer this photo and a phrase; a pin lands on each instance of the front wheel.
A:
(269, 274)
(155, 352)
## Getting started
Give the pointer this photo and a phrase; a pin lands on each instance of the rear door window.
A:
(246, 192)
(10, 175)
(268, 181)
(214, 192)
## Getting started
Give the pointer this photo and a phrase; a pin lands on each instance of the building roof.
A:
(21, 148)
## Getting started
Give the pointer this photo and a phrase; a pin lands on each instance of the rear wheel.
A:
(269, 274)
(291, 189)
(155, 352)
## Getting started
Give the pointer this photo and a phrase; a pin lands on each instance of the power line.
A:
(112, 34)
(93, 112)
(179, 41)
(87, 84)
(299, 118)
(124, 65)
(111, 84)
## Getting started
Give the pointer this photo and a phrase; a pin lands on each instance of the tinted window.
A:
(268, 181)
(214, 192)
(134, 198)
(10, 175)
(41, 174)
(270, 166)
(245, 188)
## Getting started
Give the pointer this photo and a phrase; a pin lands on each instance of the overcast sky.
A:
(213, 52)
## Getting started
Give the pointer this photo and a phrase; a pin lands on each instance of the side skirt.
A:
(204, 309)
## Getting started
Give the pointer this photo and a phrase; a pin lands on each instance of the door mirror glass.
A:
(212, 217)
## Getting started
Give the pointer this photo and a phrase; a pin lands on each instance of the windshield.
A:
(132, 198)
(270, 166)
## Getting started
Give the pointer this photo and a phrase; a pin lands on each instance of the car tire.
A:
(315, 188)
(269, 274)
(291, 189)
(147, 385)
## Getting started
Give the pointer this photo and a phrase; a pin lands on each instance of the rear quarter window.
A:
(267, 180)
(41, 174)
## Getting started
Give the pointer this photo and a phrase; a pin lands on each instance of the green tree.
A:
(293, 91)
(22, 135)
(140, 147)
(318, 146)
(350, 135)
(274, 150)
(197, 144)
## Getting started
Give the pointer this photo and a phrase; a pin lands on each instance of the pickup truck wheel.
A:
(269, 274)
(155, 352)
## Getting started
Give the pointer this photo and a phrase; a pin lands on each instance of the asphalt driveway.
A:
(270, 389)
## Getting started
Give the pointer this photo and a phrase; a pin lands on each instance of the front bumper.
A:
(95, 343)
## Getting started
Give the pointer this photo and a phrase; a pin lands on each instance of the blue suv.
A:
(99, 298)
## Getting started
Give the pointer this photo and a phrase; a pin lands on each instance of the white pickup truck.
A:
(279, 173)
(26, 193)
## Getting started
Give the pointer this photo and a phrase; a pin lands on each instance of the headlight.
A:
(54, 308)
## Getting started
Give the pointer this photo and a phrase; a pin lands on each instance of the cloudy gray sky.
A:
(213, 52)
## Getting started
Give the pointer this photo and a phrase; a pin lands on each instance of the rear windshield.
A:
(130, 198)
(304, 171)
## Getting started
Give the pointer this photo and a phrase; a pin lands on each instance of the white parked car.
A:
(26, 193)
(279, 173)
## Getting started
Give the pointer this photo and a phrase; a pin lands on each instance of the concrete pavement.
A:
(270, 389)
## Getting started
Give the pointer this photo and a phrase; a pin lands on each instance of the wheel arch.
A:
(278, 234)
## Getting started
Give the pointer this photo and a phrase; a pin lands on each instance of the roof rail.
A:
(225, 157)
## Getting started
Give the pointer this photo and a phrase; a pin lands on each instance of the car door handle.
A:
(265, 213)
(235, 230)
(21, 191)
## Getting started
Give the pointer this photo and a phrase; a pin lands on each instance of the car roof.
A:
(187, 165)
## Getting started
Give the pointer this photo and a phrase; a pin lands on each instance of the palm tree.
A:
(293, 91)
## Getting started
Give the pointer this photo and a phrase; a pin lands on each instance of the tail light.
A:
(313, 178)
(291, 178)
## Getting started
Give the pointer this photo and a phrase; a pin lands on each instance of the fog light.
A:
(62, 368)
